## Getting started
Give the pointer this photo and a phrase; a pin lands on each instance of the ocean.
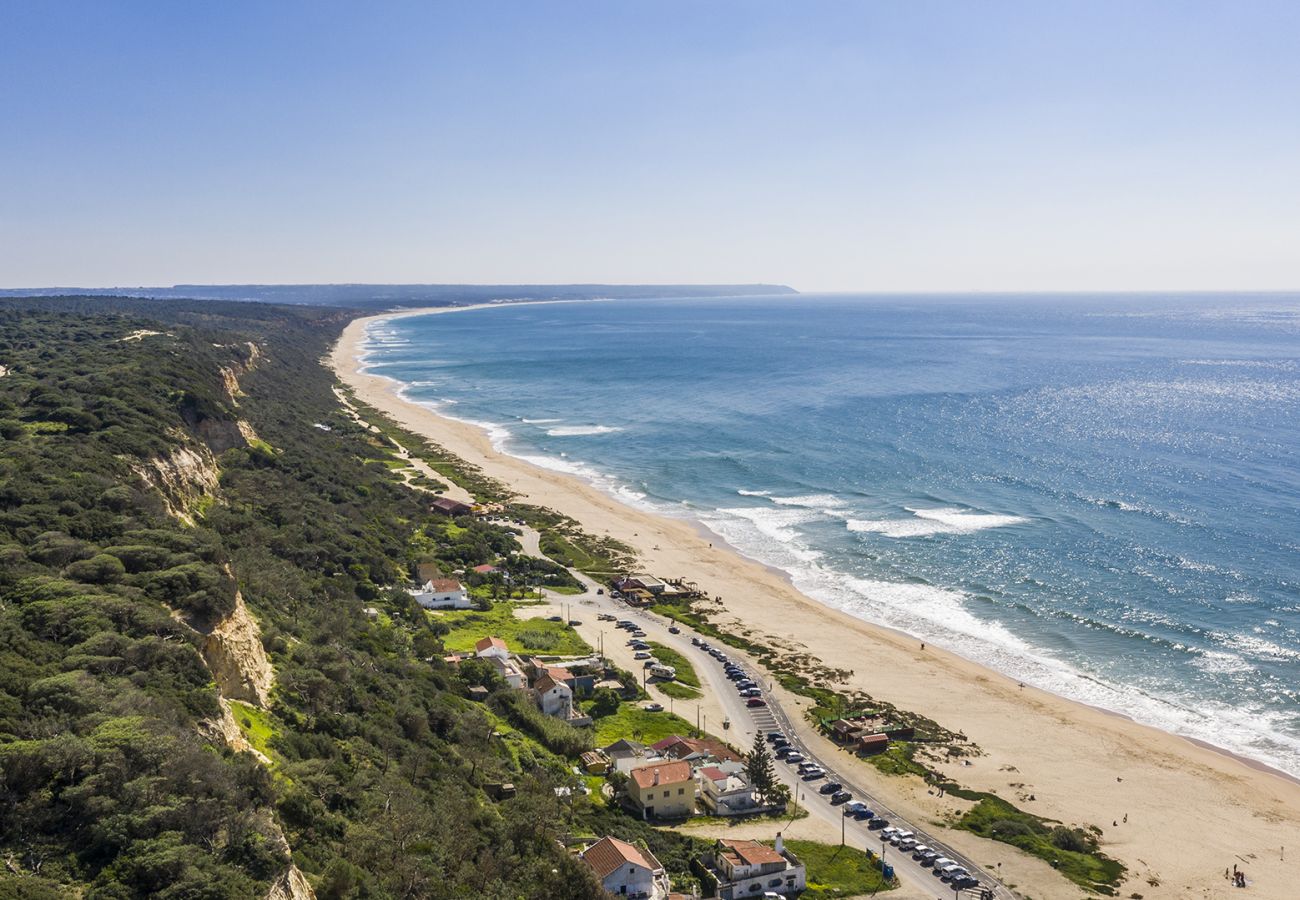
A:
(1097, 495)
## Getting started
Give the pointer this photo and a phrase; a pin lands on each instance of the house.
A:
(450, 507)
(662, 790)
(484, 569)
(554, 697)
(442, 593)
(748, 869)
(491, 646)
(626, 870)
(696, 750)
(727, 791)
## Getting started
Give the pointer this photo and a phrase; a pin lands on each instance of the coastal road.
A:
(746, 721)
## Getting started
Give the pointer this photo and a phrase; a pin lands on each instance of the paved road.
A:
(746, 721)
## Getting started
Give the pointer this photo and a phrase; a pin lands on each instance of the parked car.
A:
(900, 835)
(794, 756)
(814, 774)
(773, 735)
(575, 622)
(641, 654)
(863, 814)
(638, 633)
(696, 641)
(830, 787)
(555, 618)
(928, 857)
(877, 822)
(673, 629)
(783, 751)
(605, 617)
(756, 701)
(751, 692)
(919, 850)
(653, 707)
(854, 806)
(906, 844)
(942, 863)
(841, 797)
(600, 592)
(888, 834)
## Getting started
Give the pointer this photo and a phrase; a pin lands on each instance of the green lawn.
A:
(635, 724)
(835, 871)
(678, 691)
(669, 657)
(535, 635)
(256, 725)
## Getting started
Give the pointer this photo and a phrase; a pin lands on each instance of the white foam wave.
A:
(576, 430)
(744, 493)
(945, 520)
(812, 501)
(540, 421)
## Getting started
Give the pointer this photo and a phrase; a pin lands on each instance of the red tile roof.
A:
(668, 773)
(751, 853)
(443, 585)
(608, 854)
(485, 569)
(713, 773)
(488, 643)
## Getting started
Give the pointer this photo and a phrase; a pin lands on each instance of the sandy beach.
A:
(1184, 813)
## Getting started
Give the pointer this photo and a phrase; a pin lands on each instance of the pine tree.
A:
(759, 768)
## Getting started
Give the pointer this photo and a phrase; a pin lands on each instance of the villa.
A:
(726, 791)
(441, 593)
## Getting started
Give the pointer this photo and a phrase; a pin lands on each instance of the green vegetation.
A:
(256, 725)
(670, 657)
(564, 541)
(677, 691)
(835, 871)
(532, 635)
(899, 759)
(132, 506)
(1072, 851)
(635, 724)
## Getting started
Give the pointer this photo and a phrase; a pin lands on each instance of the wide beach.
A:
(1184, 812)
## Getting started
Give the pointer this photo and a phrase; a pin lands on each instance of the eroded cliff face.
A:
(291, 885)
(186, 478)
(234, 654)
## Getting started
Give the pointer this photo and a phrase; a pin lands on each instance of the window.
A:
(681, 791)
(775, 882)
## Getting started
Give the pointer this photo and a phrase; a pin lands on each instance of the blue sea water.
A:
(1096, 495)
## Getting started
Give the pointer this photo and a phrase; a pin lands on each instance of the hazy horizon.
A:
(919, 148)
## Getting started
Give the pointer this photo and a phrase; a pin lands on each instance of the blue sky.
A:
(830, 146)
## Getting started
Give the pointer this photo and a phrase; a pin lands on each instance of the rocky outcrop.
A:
(291, 885)
(184, 477)
(235, 656)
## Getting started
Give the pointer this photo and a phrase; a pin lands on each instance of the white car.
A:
(898, 837)
(641, 654)
(907, 844)
(888, 833)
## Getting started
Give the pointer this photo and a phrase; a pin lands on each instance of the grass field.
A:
(835, 871)
(678, 691)
(535, 635)
(635, 724)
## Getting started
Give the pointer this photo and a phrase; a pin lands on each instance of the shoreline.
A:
(1027, 734)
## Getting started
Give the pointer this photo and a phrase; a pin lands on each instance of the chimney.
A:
(656, 776)
(780, 844)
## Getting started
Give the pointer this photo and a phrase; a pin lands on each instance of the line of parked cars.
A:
(942, 867)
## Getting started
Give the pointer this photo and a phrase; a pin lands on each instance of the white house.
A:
(491, 646)
(554, 697)
(626, 870)
(725, 791)
(748, 869)
(442, 593)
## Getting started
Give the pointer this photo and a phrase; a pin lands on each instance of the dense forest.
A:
(167, 468)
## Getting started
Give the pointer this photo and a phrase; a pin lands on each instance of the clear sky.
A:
(827, 145)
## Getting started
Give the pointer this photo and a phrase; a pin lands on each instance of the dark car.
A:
(773, 735)
(696, 641)
(555, 618)
(575, 622)
(863, 814)
(878, 822)
(673, 629)
(841, 797)
(783, 751)
(830, 787)
(756, 701)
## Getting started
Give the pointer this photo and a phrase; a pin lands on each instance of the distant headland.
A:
(385, 296)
